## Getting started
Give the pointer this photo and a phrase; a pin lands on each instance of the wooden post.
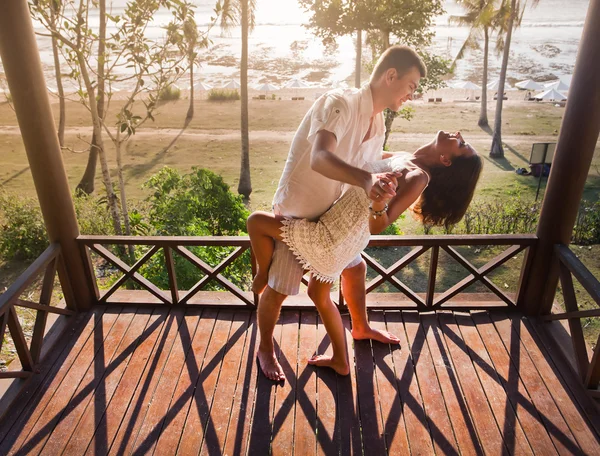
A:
(23, 69)
(572, 160)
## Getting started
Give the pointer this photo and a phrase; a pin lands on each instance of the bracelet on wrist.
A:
(376, 213)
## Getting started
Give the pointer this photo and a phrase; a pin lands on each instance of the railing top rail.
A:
(376, 241)
(579, 270)
(28, 276)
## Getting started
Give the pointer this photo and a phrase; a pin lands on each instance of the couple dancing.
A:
(338, 187)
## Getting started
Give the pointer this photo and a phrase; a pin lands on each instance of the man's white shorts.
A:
(285, 274)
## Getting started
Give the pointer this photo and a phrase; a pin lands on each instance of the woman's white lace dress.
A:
(327, 246)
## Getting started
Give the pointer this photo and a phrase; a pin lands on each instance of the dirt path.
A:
(273, 135)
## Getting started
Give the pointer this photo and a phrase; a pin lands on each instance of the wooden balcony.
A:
(182, 377)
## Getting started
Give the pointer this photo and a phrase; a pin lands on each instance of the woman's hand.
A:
(384, 187)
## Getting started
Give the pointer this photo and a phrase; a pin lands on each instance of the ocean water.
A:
(544, 47)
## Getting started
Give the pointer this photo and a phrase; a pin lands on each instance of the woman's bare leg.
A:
(319, 292)
(263, 228)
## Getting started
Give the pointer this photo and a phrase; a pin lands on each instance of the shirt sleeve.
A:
(330, 113)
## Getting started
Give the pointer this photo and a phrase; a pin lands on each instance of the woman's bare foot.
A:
(270, 366)
(260, 282)
(340, 366)
(375, 334)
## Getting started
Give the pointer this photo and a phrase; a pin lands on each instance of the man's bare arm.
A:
(324, 161)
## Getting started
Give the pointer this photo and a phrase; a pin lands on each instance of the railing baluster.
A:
(171, 273)
(433, 263)
(42, 316)
(592, 379)
(3, 323)
(579, 345)
(16, 331)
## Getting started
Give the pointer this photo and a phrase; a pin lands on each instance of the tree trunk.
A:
(483, 118)
(124, 210)
(385, 36)
(244, 186)
(190, 114)
(86, 184)
(99, 145)
(59, 85)
(497, 151)
(358, 65)
(389, 120)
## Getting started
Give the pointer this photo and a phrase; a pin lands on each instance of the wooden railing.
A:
(29, 355)
(236, 296)
(570, 266)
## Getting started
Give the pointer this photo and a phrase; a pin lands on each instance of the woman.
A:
(437, 183)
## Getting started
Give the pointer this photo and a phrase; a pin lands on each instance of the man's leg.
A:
(269, 306)
(355, 295)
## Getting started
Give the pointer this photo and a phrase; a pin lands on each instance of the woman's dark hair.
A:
(449, 193)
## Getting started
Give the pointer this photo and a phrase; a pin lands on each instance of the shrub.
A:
(170, 93)
(92, 215)
(587, 225)
(22, 230)
(223, 95)
(500, 217)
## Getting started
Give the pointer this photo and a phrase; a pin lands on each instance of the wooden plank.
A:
(560, 389)
(227, 386)
(3, 323)
(433, 400)
(199, 423)
(55, 400)
(135, 374)
(328, 434)
(305, 441)
(517, 393)
(240, 421)
(152, 425)
(487, 430)
(512, 432)
(25, 411)
(285, 396)
(394, 427)
(593, 377)
(36, 306)
(184, 391)
(82, 434)
(259, 440)
(368, 399)
(351, 437)
(123, 442)
(407, 386)
(543, 401)
(75, 402)
(462, 422)
(42, 317)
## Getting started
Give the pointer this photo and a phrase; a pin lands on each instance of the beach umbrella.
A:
(495, 84)
(550, 95)
(557, 85)
(232, 84)
(466, 85)
(202, 87)
(266, 88)
(529, 84)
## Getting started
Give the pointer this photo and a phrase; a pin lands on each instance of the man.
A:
(341, 132)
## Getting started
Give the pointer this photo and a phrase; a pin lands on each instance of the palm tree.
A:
(482, 19)
(513, 16)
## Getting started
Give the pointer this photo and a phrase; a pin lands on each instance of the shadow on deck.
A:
(158, 380)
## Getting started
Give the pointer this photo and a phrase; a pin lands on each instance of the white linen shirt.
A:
(304, 193)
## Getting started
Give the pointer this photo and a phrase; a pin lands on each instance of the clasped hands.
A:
(383, 186)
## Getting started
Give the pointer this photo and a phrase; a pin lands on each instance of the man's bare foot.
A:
(270, 366)
(340, 366)
(260, 282)
(375, 334)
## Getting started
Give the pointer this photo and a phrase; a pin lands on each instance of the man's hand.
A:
(384, 186)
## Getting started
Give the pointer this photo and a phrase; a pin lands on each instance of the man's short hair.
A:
(402, 59)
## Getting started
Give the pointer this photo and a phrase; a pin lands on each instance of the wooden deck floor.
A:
(162, 381)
